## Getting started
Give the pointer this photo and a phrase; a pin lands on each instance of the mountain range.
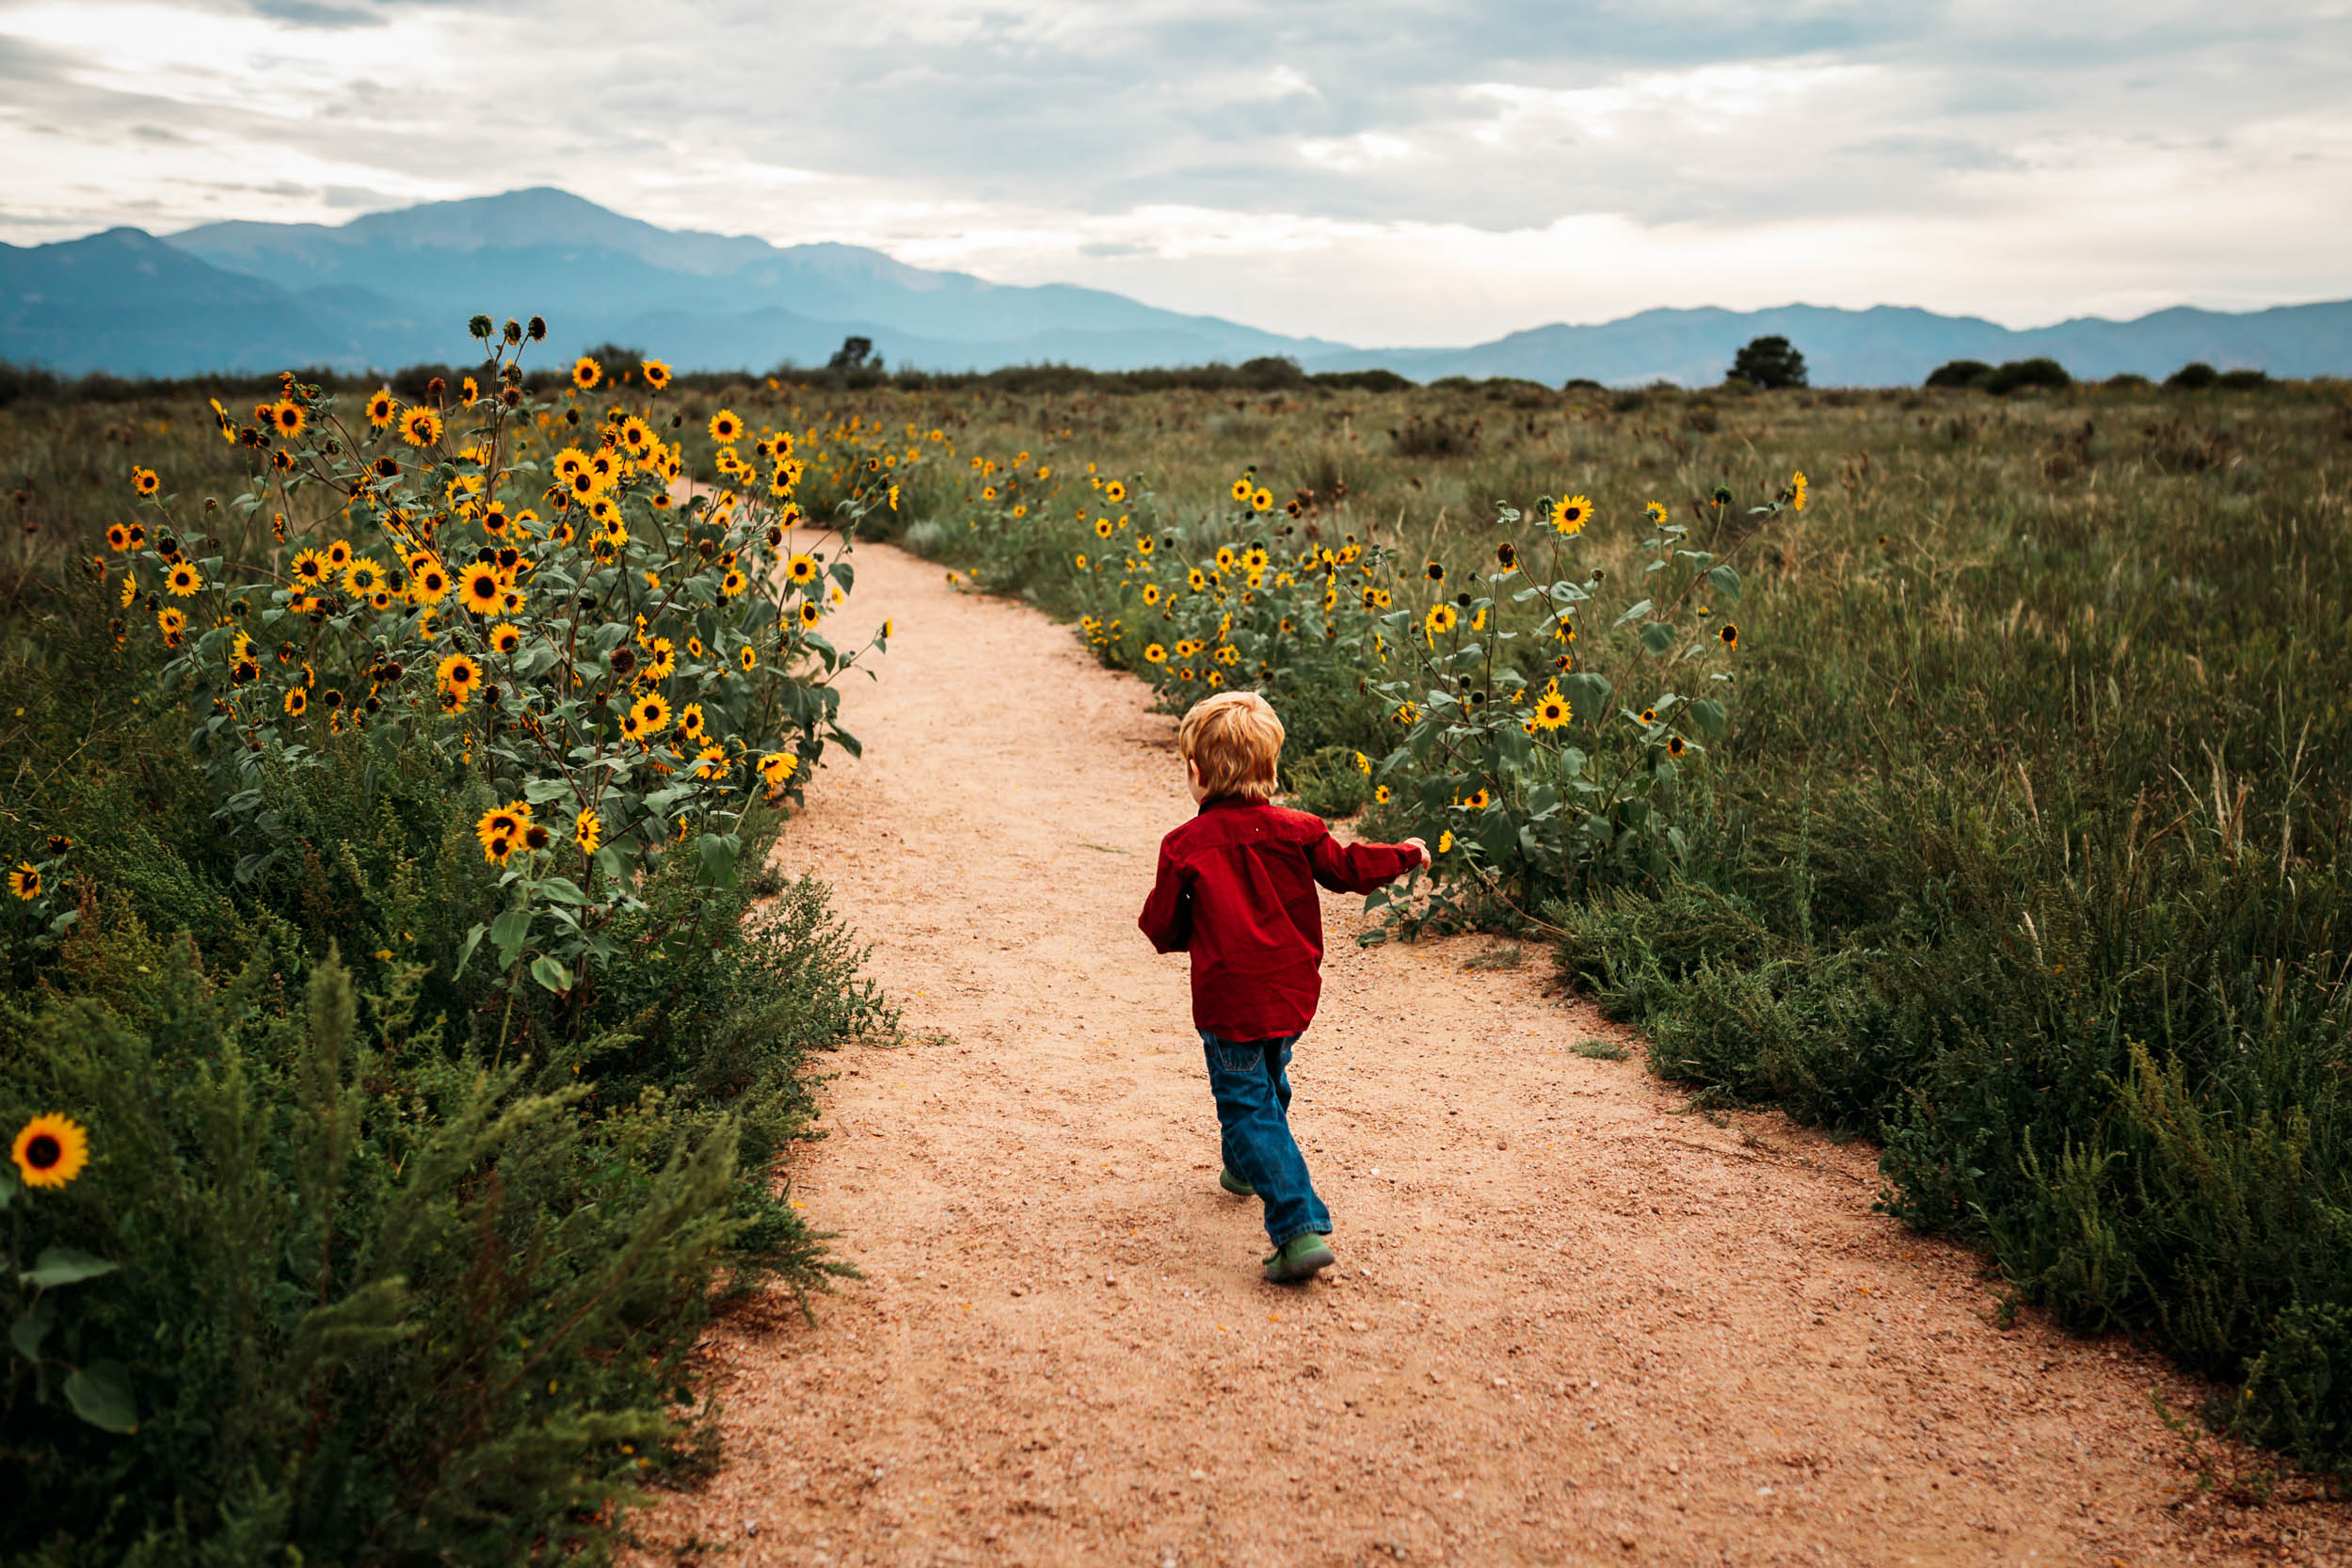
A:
(394, 288)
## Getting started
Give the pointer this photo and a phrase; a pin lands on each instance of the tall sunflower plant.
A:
(1555, 729)
(1245, 597)
(628, 661)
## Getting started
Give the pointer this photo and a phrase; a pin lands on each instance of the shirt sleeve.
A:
(1167, 917)
(1358, 868)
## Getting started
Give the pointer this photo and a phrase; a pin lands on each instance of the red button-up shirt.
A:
(1237, 890)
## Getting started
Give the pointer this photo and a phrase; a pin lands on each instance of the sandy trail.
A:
(1570, 1324)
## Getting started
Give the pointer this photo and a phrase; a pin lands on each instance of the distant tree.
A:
(2242, 380)
(2127, 381)
(1582, 383)
(1769, 362)
(854, 355)
(2011, 375)
(1959, 373)
(1272, 373)
(2195, 376)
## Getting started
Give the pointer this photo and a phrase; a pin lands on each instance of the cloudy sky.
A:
(1363, 171)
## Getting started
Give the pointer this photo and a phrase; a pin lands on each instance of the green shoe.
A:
(1235, 1185)
(1300, 1257)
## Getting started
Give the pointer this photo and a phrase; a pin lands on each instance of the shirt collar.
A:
(1231, 803)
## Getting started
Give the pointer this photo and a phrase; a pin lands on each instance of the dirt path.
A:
(1570, 1324)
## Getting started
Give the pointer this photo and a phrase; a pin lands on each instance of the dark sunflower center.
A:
(43, 1152)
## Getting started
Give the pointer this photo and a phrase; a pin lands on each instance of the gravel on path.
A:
(1572, 1321)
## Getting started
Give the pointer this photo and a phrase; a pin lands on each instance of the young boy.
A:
(1237, 890)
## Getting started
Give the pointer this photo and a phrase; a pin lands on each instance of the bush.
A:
(2194, 376)
(1770, 363)
(1959, 374)
(381, 1254)
(2015, 374)
(1436, 436)
(2242, 380)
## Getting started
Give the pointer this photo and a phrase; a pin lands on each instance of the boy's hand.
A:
(1417, 847)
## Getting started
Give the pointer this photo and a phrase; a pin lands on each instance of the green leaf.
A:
(1657, 637)
(1587, 692)
(465, 956)
(25, 1334)
(538, 792)
(717, 852)
(1725, 580)
(100, 1394)
(550, 973)
(1633, 614)
(65, 1266)
(1708, 716)
(563, 889)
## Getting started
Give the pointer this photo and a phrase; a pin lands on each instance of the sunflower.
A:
(363, 578)
(1656, 510)
(587, 372)
(419, 427)
(118, 538)
(338, 554)
(1674, 745)
(479, 589)
(1440, 621)
(710, 762)
(1445, 841)
(693, 649)
(803, 571)
(690, 720)
(505, 637)
(429, 580)
(724, 426)
(1155, 654)
(635, 435)
(145, 481)
(733, 583)
(1226, 557)
(287, 418)
(661, 659)
(587, 830)
(653, 711)
(631, 728)
(501, 822)
(457, 673)
(1796, 490)
(382, 408)
(1197, 579)
(1553, 711)
(1242, 489)
(25, 881)
(1151, 593)
(1730, 634)
(810, 613)
(777, 766)
(1476, 802)
(51, 1150)
(1261, 500)
(1570, 516)
(184, 579)
(1381, 794)
(749, 658)
(1102, 528)
(171, 623)
(657, 374)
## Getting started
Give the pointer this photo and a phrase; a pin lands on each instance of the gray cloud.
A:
(1279, 132)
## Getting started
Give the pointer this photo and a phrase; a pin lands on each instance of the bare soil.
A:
(1573, 1320)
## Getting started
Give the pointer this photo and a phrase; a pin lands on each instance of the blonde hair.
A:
(1233, 739)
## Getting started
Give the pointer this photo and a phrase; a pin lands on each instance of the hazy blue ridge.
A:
(389, 289)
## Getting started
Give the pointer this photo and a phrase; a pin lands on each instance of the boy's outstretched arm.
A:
(1361, 868)
(1167, 917)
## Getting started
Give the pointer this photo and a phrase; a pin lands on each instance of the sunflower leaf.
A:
(465, 956)
(100, 1394)
(1633, 613)
(64, 1266)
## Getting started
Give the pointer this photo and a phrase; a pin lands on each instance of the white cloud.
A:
(1373, 171)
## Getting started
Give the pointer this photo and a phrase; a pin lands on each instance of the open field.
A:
(2012, 847)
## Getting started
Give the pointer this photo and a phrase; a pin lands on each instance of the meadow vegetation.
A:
(1958, 769)
(402, 1040)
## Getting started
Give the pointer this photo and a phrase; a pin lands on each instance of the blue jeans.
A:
(1251, 1079)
